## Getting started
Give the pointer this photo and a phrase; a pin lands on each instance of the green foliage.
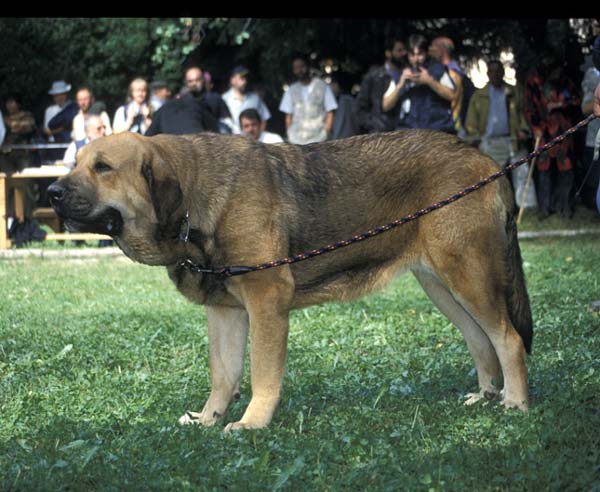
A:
(106, 53)
(98, 359)
(103, 53)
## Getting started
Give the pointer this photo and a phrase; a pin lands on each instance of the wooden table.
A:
(17, 181)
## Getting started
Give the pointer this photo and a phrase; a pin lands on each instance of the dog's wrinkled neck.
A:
(192, 240)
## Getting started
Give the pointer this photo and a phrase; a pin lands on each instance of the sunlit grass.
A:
(98, 359)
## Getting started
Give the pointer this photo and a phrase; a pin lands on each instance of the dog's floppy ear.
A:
(165, 192)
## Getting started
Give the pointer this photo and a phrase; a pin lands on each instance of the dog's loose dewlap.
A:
(251, 203)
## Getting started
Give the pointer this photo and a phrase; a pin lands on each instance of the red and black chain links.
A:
(230, 271)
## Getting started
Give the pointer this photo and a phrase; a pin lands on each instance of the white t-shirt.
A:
(78, 132)
(270, 138)
(71, 154)
(237, 104)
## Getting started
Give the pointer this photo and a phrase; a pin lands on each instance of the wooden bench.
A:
(17, 182)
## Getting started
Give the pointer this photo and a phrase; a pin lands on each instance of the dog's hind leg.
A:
(478, 343)
(227, 334)
(480, 284)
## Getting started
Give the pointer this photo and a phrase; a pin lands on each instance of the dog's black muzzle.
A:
(76, 211)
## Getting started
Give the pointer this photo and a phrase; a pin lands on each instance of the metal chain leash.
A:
(230, 271)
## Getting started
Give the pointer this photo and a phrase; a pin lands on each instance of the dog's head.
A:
(123, 186)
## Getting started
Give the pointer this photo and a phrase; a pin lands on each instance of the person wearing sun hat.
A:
(60, 93)
(61, 124)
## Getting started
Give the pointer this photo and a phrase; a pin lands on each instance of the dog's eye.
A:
(102, 167)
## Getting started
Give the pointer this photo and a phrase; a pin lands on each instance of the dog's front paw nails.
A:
(189, 418)
(487, 395)
(472, 398)
(234, 426)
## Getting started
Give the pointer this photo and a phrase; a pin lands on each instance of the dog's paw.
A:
(487, 395)
(235, 426)
(189, 418)
(472, 398)
(519, 405)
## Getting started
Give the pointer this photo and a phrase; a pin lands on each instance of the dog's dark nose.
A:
(56, 193)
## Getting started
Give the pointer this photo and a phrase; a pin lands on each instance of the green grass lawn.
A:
(99, 358)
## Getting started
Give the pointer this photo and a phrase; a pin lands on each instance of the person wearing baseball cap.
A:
(159, 94)
(238, 98)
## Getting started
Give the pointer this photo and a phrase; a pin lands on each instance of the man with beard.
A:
(371, 118)
(188, 112)
(308, 104)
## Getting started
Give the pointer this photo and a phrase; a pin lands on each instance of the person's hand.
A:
(553, 105)
(145, 111)
(132, 112)
(422, 77)
(405, 75)
(597, 100)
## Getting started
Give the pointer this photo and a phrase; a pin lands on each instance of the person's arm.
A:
(471, 122)
(106, 121)
(458, 88)
(265, 114)
(2, 128)
(123, 122)
(286, 107)
(597, 101)
(423, 77)
(390, 98)
(69, 158)
(155, 127)
(329, 121)
(331, 107)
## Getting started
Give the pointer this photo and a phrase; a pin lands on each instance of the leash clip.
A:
(185, 235)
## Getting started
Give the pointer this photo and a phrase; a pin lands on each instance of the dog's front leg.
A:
(227, 334)
(267, 297)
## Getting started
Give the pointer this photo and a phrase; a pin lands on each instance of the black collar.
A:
(187, 235)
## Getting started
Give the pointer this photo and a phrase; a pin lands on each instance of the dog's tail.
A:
(517, 298)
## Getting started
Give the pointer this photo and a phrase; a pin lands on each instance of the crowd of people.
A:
(420, 85)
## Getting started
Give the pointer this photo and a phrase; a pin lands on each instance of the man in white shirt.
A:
(85, 99)
(238, 99)
(94, 128)
(309, 106)
(251, 125)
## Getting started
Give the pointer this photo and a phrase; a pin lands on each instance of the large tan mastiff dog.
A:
(250, 203)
